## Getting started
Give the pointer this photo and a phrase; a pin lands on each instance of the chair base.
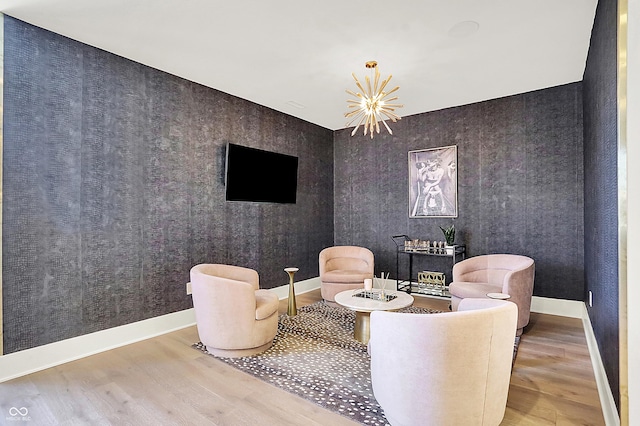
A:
(238, 353)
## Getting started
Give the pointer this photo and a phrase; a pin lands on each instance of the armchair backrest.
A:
(499, 269)
(346, 258)
(450, 368)
(224, 299)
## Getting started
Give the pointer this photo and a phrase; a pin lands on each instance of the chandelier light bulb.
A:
(371, 106)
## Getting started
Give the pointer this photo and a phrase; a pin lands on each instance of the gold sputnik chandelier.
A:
(371, 106)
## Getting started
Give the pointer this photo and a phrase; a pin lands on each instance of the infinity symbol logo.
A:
(13, 411)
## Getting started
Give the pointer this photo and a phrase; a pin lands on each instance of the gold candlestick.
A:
(291, 308)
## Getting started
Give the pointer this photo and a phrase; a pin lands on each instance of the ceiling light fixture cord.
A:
(371, 106)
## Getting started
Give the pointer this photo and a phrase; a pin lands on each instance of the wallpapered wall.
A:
(601, 187)
(114, 189)
(520, 185)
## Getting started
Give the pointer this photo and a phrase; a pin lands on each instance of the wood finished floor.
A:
(163, 381)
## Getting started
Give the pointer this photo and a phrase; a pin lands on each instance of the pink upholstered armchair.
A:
(343, 268)
(495, 273)
(444, 369)
(234, 316)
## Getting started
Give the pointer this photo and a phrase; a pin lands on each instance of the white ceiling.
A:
(297, 56)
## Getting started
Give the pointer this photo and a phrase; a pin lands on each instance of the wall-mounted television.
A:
(257, 175)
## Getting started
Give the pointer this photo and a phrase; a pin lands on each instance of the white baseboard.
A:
(42, 357)
(560, 307)
(609, 409)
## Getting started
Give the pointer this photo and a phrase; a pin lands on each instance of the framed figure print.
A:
(433, 182)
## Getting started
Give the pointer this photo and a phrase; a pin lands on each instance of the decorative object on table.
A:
(291, 307)
(371, 106)
(433, 182)
(368, 284)
(374, 295)
(382, 284)
(431, 283)
(449, 237)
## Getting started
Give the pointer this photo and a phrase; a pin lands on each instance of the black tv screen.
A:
(262, 176)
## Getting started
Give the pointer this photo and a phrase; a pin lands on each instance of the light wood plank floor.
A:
(163, 381)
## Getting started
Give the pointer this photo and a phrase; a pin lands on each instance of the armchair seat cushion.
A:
(346, 276)
(266, 304)
(463, 290)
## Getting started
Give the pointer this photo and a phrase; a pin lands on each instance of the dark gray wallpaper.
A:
(114, 189)
(601, 187)
(520, 185)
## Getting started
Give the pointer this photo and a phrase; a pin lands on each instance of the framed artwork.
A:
(433, 182)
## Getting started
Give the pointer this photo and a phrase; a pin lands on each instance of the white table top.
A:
(361, 304)
(503, 296)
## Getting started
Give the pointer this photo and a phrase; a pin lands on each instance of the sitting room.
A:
(184, 185)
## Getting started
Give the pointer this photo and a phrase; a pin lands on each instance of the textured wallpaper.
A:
(601, 187)
(520, 185)
(114, 189)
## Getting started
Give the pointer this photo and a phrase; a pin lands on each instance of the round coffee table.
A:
(363, 308)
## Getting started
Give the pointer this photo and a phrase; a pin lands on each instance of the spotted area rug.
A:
(315, 356)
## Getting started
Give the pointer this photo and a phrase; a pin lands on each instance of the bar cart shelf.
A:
(409, 284)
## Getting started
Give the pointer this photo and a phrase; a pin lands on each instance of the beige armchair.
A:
(444, 369)
(343, 268)
(495, 273)
(233, 316)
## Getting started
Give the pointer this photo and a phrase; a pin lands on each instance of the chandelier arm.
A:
(354, 113)
(387, 126)
(369, 92)
(384, 83)
(354, 104)
(391, 107)
(391, 116)
(385, 94)
(373, 123)
(358, 126)
(357, 114)
(360, 86)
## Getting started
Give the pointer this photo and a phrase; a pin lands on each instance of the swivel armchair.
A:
(343, 268)
(509, 274)
(234, 317)
(446, 369)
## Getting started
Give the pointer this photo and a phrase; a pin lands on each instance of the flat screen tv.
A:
(261, 176)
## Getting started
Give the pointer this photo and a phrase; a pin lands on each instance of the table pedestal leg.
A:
(291, 307)
(361, 332)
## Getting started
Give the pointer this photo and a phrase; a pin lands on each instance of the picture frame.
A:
(433, 182)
